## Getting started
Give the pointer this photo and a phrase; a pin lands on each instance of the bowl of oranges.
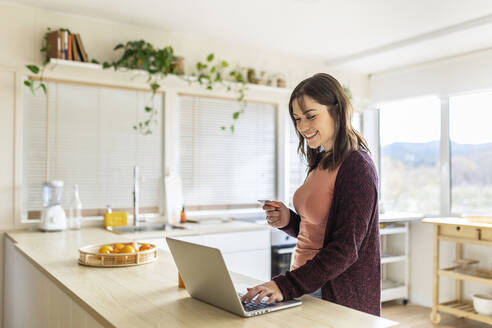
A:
(117, 254)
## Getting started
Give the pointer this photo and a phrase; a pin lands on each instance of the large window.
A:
(409, 168)
(83, 135)
(220, 169)
(470, 122)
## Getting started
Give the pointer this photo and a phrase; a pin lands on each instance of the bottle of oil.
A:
(183, 216)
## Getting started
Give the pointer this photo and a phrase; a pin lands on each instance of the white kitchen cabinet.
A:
(34, 300)
(244, 252)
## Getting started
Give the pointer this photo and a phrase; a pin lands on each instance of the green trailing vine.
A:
(158, 63)
(210, 73)
(32, 84)
(347, 91)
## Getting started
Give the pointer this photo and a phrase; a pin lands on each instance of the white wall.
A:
(461, 74)
(21, 31)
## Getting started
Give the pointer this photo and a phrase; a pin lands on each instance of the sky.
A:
(418, 120)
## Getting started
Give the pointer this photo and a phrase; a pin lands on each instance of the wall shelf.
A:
(71, 65)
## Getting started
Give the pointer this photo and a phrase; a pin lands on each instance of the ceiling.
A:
(354, 35)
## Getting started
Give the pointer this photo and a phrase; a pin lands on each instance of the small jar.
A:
(178, 65)
(252, 76)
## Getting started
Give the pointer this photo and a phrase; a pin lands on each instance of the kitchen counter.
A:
(147, 295)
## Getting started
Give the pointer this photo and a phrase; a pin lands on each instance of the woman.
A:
(337, 206)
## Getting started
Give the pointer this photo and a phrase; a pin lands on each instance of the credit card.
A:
(263, 202)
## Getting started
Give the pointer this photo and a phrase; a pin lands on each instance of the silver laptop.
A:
(206, 278)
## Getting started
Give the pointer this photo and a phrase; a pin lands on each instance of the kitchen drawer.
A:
(459, 232)
(238, 241)
(487, 234)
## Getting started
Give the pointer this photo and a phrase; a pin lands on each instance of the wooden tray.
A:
(89, 255)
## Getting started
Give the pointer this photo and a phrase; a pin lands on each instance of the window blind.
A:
(91, 142)
(220, 169)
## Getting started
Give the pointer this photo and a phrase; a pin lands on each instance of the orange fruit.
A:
(145, 247)
(103, 251)
(132, 244)
(127, 249)
(118, 246)
(106, 249)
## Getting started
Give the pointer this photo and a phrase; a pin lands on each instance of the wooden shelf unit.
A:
(463, 309)
(461, 231)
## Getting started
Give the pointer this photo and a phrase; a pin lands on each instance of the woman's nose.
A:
(302, 126)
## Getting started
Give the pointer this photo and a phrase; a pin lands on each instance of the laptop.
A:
(206, 278)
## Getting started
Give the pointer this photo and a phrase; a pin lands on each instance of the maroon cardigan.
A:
(348, 267)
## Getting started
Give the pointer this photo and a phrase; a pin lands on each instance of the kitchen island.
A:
(46, 287)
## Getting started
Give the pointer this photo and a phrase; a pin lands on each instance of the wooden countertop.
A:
(477, 222)
(148, 296)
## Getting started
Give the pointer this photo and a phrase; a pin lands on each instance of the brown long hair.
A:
(326, 90)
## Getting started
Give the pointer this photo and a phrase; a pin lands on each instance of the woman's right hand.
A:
(277, 214)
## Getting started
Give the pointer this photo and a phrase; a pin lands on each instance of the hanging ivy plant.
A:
(32, 84)
(347, 91)
(157, 63)
(211, 73)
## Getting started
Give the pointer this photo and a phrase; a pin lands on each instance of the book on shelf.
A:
(80, 48)
(70, 37)
(63, 45)
(53, 45)
(64, 37)
(75, 53)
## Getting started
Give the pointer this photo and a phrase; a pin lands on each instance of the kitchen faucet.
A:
(136, 192)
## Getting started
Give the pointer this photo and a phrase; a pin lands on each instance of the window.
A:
(83, 135)
(470, 120)
(220, 169)
(410, 156)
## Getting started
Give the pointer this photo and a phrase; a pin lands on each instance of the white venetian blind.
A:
(221, 169)
(91, 142)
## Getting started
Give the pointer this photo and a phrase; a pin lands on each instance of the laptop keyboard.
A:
(252, 306)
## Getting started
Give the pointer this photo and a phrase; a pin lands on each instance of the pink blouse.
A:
(312, 202)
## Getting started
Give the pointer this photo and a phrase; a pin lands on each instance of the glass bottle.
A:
(75, 219)
(183, 216)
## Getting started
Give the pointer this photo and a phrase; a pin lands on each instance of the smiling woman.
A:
(336, 217)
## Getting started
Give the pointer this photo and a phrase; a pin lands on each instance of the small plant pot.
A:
(178, 65)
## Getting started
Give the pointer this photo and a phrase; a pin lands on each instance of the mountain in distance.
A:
(428, 153)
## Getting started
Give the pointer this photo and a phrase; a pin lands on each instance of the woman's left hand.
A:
(269, 289)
